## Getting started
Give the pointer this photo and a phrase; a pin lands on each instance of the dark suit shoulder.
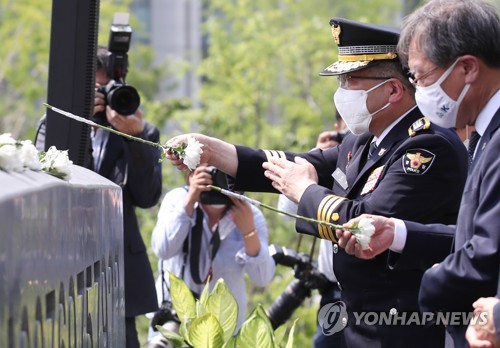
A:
(439, 137)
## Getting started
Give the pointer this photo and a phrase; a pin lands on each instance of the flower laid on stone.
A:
(190, 153)
(56, 163)
(17, 156)
(363, 231)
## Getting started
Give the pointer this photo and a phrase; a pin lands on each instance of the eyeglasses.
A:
(344, 78)
(414, 81)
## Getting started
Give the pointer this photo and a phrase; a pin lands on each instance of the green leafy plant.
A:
(210, 321)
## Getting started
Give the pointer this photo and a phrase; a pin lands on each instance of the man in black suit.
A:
(453, 49)
(415, 162)
(135, 167)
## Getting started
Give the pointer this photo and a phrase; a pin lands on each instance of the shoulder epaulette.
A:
(419, 125)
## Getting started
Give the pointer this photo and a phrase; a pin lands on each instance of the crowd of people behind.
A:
(403, 94)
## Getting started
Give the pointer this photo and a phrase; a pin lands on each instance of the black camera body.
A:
(122, 98)
(308, 277)
(211, 197)
(339, 136)
(164, 314)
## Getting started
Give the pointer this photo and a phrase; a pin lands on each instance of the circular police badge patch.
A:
(417, 161)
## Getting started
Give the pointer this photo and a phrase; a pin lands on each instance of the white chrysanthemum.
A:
(6, 138)
(49, 157)
(365, 230)
(63, 164)
(192, 153)
(57, 163)
(9, 158)
(29, 155)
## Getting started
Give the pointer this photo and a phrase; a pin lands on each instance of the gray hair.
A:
(395, 69)
(447, 29)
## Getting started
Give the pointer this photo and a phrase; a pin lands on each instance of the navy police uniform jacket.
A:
(472, 271)
(418, 177)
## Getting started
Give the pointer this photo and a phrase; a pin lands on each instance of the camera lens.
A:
(283, 307)
(124, 100)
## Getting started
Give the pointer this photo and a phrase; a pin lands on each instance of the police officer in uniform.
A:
(395, 163)
(454, 58)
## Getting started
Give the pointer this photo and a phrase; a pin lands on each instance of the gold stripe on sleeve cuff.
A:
(326, 210)
(274, 153)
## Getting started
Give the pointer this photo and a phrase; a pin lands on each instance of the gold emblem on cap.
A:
(336, 33)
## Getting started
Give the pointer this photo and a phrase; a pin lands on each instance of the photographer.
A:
(201, 233)
(112, 97)
(135, 167)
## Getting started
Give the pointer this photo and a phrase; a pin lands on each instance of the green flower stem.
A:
(353, 230)
(109, 129)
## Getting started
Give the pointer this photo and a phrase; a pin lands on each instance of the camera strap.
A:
(213, 247)
(163, 283)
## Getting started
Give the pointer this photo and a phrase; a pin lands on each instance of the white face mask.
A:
(436, 105)
(351, 105)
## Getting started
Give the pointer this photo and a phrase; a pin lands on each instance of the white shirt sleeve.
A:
(172, 226)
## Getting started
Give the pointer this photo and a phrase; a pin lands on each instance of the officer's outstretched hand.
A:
(380, 241)
(290, 178)
(216, 152)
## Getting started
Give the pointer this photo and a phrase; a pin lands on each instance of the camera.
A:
(307, 278)
(213, 197)
(339, 136)
(164, 314)
(122, 98)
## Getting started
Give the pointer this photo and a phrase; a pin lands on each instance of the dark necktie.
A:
(214, 245)
(474, 139)
(372, 149)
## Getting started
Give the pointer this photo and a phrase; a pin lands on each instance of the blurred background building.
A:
(173, 29)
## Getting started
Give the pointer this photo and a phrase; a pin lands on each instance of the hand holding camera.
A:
(198, 181)
(212, 197)
(243, 217)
